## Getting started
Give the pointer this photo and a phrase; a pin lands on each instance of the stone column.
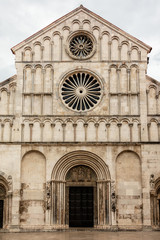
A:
(31, 131)
(102, 204)
(108, 125)
(130, 127)
(119, 126)
(74, 126)
(96, 126)
(58, 203)
(85, 126)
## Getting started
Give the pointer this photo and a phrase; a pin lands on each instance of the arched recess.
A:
(155, 201)
(5, 200)
(33, 178)
(128, 189)
(59, 206)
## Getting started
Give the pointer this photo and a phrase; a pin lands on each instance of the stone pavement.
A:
(79, 235)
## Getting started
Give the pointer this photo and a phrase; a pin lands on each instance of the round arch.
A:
(81, 157)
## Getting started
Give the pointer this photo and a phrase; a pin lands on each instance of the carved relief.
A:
(113, 197)
(81, 174)
(152, 181)
(48, 195)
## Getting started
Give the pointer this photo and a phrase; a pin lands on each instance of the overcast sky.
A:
(21, 18)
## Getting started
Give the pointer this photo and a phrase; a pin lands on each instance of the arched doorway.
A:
(155, 201)
(80, 174)
(81, 201)
(2, 198)
(5, 199)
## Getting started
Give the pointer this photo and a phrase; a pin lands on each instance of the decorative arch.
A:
(129, 187)
(80, 157)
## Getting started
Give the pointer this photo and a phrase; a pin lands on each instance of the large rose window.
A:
(81, 91)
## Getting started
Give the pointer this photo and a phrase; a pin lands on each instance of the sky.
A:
(20, 19)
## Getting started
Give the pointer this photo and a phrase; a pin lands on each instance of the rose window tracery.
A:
(81, 46)
(81, 91)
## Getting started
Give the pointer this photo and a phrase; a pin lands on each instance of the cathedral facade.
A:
(80, 130)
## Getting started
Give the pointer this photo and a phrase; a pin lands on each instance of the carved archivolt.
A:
(80, 158)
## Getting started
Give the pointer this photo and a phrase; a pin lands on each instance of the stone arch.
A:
(128, 188)
(59, 187)
(80, 157)
(5, 199)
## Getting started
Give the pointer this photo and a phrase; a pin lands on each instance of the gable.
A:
(82, 18)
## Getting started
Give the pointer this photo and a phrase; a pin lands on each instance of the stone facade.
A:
(81, 112)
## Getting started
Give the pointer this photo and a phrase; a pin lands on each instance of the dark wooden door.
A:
(1, 213)
(81, 207)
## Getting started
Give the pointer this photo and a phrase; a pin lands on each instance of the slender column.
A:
(64, 126)
(119, 52)
(158, 131)
(74, 126)
(22, 132)
(109, 49)
(32, 56)
(119, 127)
(157, 104)
(100, 48)
(43, 79)
(130, 128)
(129, 80)
(85, 128)
(61, 51)
(139, 131)
(96, 126)
(31, 131)
(52, 126)
(119, 103)
(147, 93)
(149, 134)
(42, 127)
(42, 52)
(137, 81)
(52, 43)
(11, 125)
(2, 131)
(8, 100)
(118, 81)
(107, 126)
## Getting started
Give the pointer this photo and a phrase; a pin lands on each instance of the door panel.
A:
(81, 207)
(1, 213)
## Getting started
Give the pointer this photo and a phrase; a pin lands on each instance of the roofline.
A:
(153, 80)
(8, 80)
(92, 13)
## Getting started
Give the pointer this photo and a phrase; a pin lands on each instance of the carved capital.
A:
(74, 125)
(30, 125)
(96, 125)
(63, 125)
(85, 125)
(119, 124)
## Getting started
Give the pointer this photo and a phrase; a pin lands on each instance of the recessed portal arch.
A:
(72, 164)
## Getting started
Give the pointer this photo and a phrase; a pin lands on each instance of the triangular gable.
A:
(91, 14)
